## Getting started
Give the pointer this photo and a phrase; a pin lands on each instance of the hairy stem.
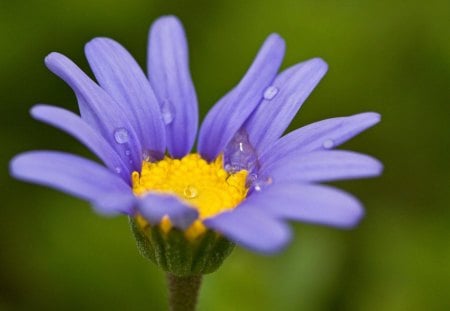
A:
(183, 292)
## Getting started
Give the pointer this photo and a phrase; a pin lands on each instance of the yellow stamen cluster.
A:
(205, 186)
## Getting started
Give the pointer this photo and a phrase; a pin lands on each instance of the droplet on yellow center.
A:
(190, 192)
(204, 186)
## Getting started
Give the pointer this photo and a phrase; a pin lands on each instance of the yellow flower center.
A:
(207, 187)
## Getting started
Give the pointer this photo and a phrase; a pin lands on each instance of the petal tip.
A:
(14, 165)
(275, 248)
(380, 168)
(275, 40)
(320, 63)
(97, 42)
(370, 118)
(56, 61)
(271, 238)
(167, 21)
(51, 58)
(376, 166)
(36, 110)
(353, 218)
(375, 117)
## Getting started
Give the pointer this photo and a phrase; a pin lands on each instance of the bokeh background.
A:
(392, 57)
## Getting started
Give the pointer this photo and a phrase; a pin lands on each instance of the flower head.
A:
(244, 181)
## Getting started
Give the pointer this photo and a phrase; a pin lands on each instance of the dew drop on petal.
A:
(328, 144)
(270, 92)
(118, 170)
(167, 111)
(146, 156)
(240, 154)
(127, 152)
(252, 178)
(190, 192)
(151, 156)
(121, 135)
(258, 183)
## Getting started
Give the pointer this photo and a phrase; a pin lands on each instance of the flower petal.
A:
(113, 203)
(320, 135)
(290, 90)
(309, 203)
(99, 110)
(168, 70)
(72, 124)
(74, 175)
(154, 206)
(118, 74)
(251, 228)
(322, 166)
(228, 115)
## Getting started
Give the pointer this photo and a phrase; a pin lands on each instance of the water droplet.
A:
(152, 156)
(258, 182)
(252, 178)
(118, 170)
(121, 135)
(146, 156)
(167, 111)
(190, 192)
(328, 144)
(240, 154)
(270, 92)
(127, 152)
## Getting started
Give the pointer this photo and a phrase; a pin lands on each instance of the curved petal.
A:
(289, 91)
(168, 71)
(112, 203)
(228, 115)
(99, 110)
(309, 203)
(251, 228)
(326, 134)
(74, 175)
(118, 74)
(154, 206)
(72, 124)
(323, 166)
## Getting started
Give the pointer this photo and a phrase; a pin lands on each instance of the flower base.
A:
(178, 255)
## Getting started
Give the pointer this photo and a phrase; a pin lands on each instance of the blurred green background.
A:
(392, 57)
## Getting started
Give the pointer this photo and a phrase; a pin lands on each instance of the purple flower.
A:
(246, 179)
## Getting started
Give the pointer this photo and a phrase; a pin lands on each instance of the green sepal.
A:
(176, 254)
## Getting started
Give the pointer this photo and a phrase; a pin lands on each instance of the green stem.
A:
(183, 292)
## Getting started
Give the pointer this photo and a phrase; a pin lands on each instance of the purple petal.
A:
(320, 135)
(322, 166)
(309, 203)
(168, 70)
(109, 203)
(228, 115)
(119, 75)
(251, 228)
(99, 110)
(286, 95)
(74, 175)
(155, 206)
(72, 124)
